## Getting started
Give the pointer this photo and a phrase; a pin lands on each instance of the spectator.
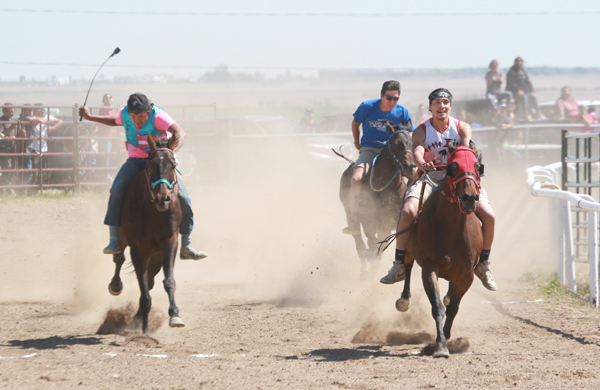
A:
(307, 122)
(567, 107)
(421, 114)
(103, 131)
(501, 117)
(463, 116)
(8, 132)
(42, 125)
(494, 79)
(517, 82)
(22, 146)
(584, 117)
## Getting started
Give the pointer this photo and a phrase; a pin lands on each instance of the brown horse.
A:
(446, 242)
(150, 220)
(381, 192)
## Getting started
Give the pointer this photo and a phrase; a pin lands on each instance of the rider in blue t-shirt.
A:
(371, 116)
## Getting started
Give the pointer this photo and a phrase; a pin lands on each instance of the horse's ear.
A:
(452, 169)
(389, 127)
(407, 125)
(473, 147)
(151, 143)
(171, 143)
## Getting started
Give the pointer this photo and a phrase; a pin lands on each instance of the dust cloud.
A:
(273, 228)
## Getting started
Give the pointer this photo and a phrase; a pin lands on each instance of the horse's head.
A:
(161, 174)
(400, 146)
(462, 173)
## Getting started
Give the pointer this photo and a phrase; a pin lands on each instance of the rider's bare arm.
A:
(178, 136)
(107, 120)
(418, 141)
(465, 134)
(356, 134)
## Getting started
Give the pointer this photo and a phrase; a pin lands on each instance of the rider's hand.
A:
(428, 166)
(84, 112)
(357, 145)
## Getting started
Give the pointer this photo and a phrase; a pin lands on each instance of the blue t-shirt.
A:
(373, 122)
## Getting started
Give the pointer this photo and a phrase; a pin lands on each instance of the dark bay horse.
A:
(150, 220)
(447, 241)
(381, 191)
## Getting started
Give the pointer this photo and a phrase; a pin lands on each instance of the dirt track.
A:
(277, 304)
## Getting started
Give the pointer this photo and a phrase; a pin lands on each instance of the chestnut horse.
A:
(447, 241)
(381, 191)
(150, 220)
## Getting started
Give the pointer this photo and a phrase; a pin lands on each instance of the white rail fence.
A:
(545, 182)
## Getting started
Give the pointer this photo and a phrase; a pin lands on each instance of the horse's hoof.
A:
(115, 291)
(402, 304)
(137, 323)
(446, 300)
(176, 322)
(441, 352)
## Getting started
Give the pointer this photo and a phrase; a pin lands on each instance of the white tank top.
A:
(437, 141)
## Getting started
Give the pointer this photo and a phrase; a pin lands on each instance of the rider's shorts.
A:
(366, 157)
(414, 191)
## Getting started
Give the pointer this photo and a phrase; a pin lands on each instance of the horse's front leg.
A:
(141, 271)
(115, 287)
(403, 303)
(169, 253)
(456, 292)
(430, 282)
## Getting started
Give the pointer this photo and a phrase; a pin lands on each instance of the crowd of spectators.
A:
(26, 147)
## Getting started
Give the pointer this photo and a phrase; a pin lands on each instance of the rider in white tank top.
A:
(437, 141)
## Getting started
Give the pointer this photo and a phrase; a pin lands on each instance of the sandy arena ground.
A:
(279, 302)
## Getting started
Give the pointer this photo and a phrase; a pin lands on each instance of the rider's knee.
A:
(486, 215)
(357, 175)
(410, 207)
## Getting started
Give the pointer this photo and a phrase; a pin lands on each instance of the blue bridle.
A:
(396, 159)
(171, 185)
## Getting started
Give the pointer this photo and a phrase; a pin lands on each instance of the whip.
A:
(116, 51)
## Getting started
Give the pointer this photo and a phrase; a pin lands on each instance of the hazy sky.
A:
(421, 34)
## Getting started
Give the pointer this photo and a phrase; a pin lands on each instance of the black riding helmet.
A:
(138, 102)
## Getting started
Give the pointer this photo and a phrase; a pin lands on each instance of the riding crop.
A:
(116, 51)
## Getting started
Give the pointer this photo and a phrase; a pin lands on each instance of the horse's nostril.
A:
(167, 199)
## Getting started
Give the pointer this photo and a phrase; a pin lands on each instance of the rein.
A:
(396, 159)
(172, 185)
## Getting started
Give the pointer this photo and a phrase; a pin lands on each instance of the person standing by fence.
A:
(8, 132)
(106, 145)
(42, 125)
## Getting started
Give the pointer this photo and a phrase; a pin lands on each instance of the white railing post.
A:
(562, 240)
(593, 256)
(569, 249)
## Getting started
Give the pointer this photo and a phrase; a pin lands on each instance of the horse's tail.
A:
(341, 154)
